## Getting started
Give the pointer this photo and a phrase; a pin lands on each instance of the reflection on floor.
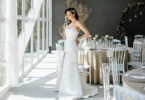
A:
(40, 83)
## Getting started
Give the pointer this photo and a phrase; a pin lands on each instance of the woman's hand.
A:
(77, 42)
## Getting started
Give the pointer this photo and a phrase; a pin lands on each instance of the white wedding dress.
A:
(69, 80)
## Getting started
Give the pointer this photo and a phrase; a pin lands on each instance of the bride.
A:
(69, 80)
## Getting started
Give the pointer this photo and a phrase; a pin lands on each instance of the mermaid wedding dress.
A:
(69, 80)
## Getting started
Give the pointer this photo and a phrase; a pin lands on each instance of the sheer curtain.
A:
(28, 28)
(11, 50)
(2, 43)
(2, 28)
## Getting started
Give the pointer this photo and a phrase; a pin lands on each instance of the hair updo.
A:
(72, 10)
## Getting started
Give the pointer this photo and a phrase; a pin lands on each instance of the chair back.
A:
(113, 64)
(143, 61)
(126, 41)
(116, 41)
(134, 55)
(106, 80)
(119, 54)
(138, 37)
(137, 46)
(115, 71)
(143, 54)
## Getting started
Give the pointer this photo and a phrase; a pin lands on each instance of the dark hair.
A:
(72, 10)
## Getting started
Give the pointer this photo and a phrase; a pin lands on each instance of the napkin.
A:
(137, 76)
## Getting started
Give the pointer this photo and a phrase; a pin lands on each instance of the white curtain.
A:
(2, 43)
(12, 43)
(28, 28)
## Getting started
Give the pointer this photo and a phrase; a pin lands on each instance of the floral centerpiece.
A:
(96, 41)
(102, 41)
(96, 37)
(60, 45)
(87, 42)
(108, 38)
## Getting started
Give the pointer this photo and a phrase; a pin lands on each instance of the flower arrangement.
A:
(108, 38)
(96, 41)
(89, 39)
(60, 44)
(102, 38)
(96, 37)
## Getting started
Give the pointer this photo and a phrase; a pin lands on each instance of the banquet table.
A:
(97, 58)
(135, 84)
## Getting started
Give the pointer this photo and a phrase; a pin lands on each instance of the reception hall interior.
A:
(108, 53)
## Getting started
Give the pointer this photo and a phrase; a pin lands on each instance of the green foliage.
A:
(19, 7)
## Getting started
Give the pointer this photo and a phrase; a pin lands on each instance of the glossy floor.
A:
(40, 82)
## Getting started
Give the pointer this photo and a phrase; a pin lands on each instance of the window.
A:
(37, 45)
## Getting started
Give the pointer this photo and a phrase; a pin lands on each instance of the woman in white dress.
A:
(69, 80)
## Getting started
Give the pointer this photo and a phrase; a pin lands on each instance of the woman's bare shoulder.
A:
(79, 23)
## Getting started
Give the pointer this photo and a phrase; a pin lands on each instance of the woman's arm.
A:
(84, 29)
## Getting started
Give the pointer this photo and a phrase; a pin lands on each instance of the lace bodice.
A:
(71, 33)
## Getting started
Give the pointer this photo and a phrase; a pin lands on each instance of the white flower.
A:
(90, 36)
(96, 36)
(60, 41)
(106, 36)
(111, 37)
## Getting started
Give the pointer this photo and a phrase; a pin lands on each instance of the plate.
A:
(137, 76)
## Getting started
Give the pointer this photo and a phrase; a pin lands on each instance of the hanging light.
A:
(135, 16)
(140, 13)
